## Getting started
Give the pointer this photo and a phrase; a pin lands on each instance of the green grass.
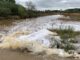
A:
(66, 32)
(67, 36)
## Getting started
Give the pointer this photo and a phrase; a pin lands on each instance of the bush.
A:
(14, 9)
(21, 11)
(5, 12)
(31, 13)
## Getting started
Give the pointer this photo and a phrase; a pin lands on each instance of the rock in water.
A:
(44, 36)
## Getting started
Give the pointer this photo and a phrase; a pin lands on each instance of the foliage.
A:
(21, 11)
(67, 37)
(75, 10)
(68, 47)
(66, 32)
(30, 6)
(5, 12)
(10, 8)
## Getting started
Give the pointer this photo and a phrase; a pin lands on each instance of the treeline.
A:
(75, 10)
(36, 13)
(52, 12)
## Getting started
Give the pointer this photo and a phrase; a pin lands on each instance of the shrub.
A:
(5, 12)
(21, 11)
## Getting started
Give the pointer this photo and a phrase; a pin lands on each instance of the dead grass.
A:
(71, 16)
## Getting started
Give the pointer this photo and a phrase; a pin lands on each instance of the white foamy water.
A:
(36, 24)
(45, 22)
(37, 36)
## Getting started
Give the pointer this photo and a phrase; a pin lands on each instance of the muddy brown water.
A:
(39, 23)
(15, 55)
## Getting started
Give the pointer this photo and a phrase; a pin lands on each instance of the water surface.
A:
(33, 24)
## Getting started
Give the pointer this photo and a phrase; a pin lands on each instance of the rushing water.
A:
(34, 24)
(49, 22)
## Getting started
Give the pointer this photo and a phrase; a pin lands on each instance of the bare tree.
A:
(30, 5)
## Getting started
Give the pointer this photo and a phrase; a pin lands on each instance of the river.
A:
(33, 24)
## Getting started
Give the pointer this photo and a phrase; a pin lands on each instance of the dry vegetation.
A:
(68, 36)
(71, 16)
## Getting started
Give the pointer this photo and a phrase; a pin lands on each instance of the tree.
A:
(10, 8)
(30, 5)
(21, 11)
(5, 12)
(11, 1)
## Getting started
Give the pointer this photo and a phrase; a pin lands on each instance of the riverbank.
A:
(66, 16)
(70, 17)
(26, 17)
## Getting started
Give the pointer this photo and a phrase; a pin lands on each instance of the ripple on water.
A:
(44, 23)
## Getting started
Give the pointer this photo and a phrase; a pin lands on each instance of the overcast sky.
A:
(53, 4)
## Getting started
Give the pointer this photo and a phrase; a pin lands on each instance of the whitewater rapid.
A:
(46, 22)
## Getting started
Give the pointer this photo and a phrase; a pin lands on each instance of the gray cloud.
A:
(53, 4)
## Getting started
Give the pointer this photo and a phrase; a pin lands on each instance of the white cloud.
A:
(64, 1)
(53, 4)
